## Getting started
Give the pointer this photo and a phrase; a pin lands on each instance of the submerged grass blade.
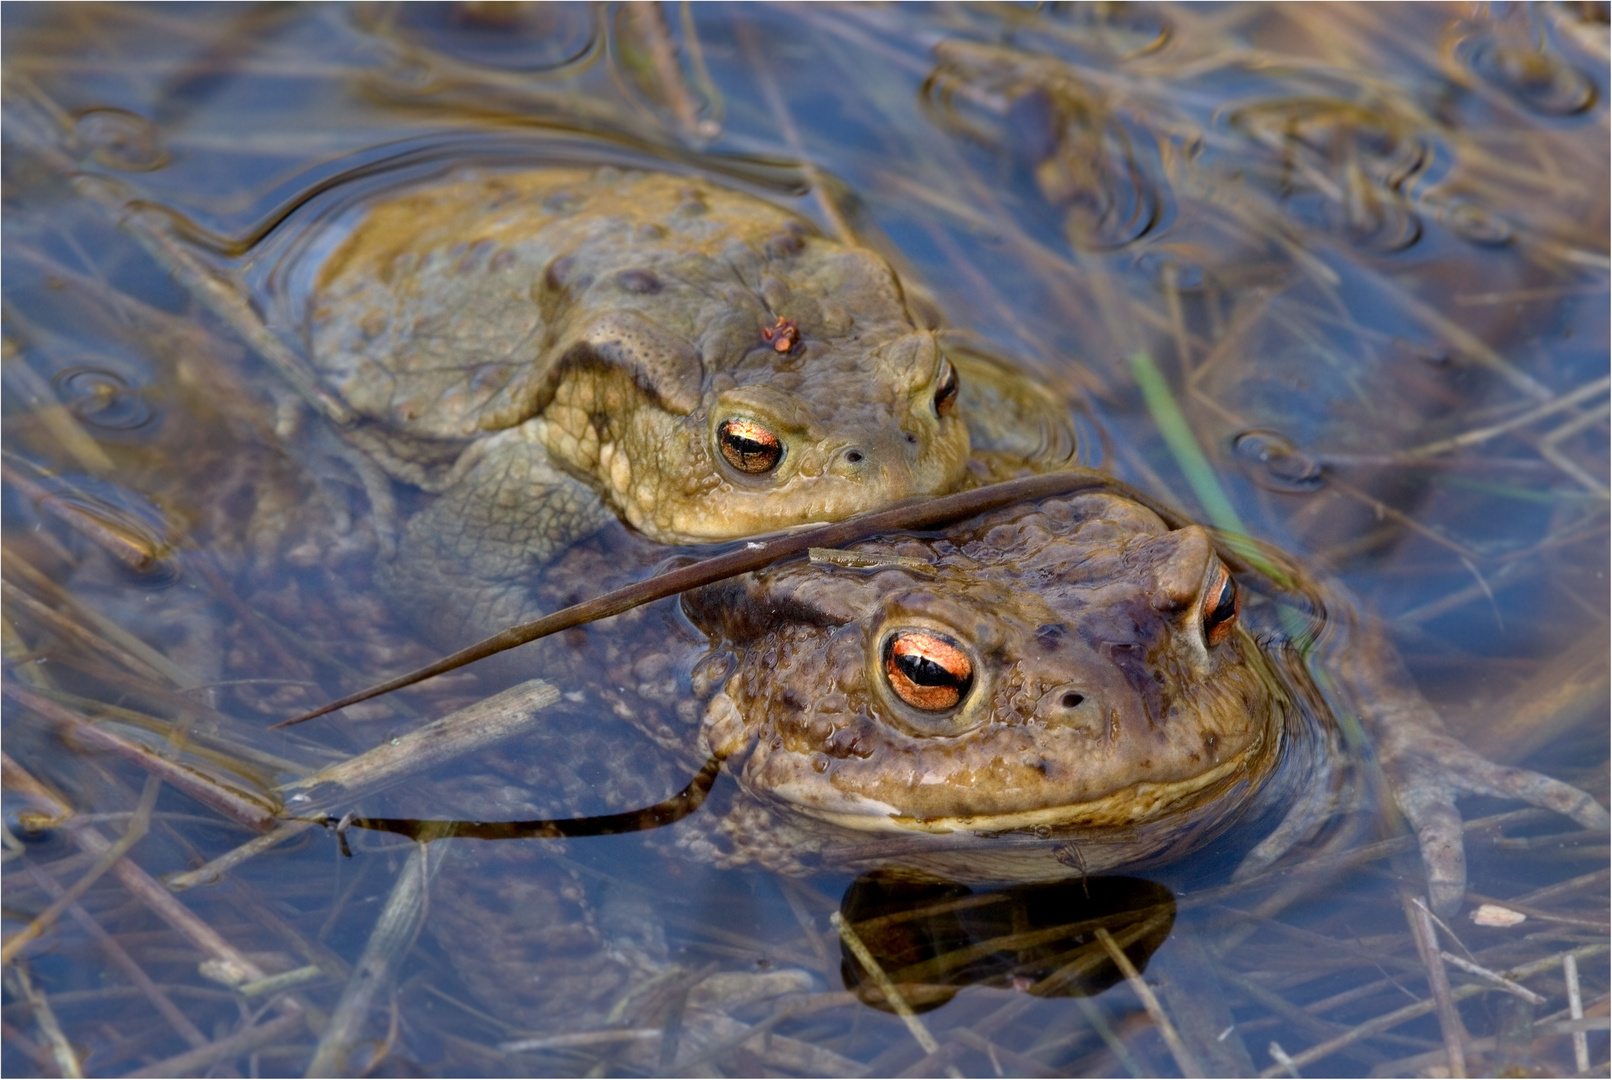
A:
(106, 859)
(892, 996)
(471, 728)
(1200, 475)
(1189, 456)
(158, 998)
(234, 803)
(1422, 1008)
(389, 944)
(60, 1050)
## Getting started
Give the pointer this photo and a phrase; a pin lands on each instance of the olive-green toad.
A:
(546, 350)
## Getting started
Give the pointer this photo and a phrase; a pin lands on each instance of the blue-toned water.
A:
(1363, 248)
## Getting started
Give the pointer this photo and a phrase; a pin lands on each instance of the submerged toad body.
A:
(1067, 686)
(1050, 690)
(1046, 689)
(550, 348)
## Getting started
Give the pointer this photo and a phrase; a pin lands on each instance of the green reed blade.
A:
(1189, 456)
(1194, 465)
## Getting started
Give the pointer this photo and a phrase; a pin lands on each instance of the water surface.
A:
(1361, 250)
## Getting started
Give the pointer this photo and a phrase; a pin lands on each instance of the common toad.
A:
(545, 350)
(1051, 690)
(1069, 684)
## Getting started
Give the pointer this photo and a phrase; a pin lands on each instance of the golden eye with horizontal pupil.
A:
(1221, 603)
(927, 671)
(946, 392)
(749, 447)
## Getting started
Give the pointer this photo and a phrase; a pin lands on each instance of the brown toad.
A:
(1066, 684)
(1065, 688)
(548, 349)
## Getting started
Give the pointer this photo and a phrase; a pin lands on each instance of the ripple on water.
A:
(517, 38)
(1540, 81)
(1096, 172)
(1476, 223)
(1274, 463)
(119, 139)
(101, 398)
(1358, 162)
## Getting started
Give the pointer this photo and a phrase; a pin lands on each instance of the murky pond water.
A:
(1334, 277)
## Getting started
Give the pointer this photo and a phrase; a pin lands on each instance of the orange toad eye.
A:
(946, 392)
(749, 447)
(927, 671)
(1221, 603)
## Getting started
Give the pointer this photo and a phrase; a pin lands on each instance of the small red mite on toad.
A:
(783, 334)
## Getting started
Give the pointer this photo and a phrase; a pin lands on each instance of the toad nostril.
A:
(911, 438)
(853, 456)
(1073, 700)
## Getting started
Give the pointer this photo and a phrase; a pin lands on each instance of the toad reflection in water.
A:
(1067, 686)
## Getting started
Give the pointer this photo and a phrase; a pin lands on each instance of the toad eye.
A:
(749, 447)
(928, 671)
(946, 392)
(1221, 603)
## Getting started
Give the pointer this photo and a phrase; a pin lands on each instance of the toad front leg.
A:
(1427, 770)
(464, 562)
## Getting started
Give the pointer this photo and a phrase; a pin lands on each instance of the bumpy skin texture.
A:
(1174, 740)
(1098, 712)
(588, 333)
(1104, 726)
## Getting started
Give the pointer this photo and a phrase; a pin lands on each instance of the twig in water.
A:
(217, 868)
(1517, 907)
(756, 54)
(389, 944)
(119, 956)
(1481, 435)
(1105, 1031)
(864, 956)
(225, 963)
(471, 728)
(578, 1038)
(1550, 450)
(276, 983)
(1421, 1008)
(755, 555)
(105, 860)
(20, 783)
(1575, 1009)
(1449, 1021)
(231, 802)
(1499, 980)
(1183, 1057)
(1282, 1059)
(342, 826)
(60, 1050)
(57, 621)
(196, 1061)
